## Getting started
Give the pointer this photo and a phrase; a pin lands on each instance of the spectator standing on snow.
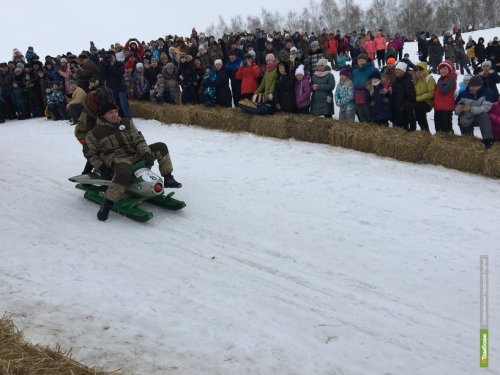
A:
(344, 96)
(435, 54)
(360, 76)
(425, 87)
(322, 85)
(302, 90)
(403, 99)
(444, 97)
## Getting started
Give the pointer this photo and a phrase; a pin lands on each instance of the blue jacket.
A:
(380, 107)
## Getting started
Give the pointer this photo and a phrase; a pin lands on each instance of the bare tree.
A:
(376, 16)
(330, 14)
(236, 24)
(414, 16)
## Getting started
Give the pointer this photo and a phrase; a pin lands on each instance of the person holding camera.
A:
(249, 74)
(112, 75)
(472, 107)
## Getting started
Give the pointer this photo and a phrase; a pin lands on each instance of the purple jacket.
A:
(400, 42)
(303, 92)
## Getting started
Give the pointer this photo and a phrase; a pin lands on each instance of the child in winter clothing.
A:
(444, 97)
(19, 99)
(342, 60)
(379, 98)
(344, 96)
(57, 104)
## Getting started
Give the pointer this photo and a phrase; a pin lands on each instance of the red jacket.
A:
(249, 76)
(444, 97)
(332, 46)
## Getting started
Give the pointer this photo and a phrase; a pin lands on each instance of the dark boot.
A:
(88, 168)
(169, 182)
(103, 212)
(488, 142)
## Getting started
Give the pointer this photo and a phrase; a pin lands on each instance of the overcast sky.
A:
(56, 26)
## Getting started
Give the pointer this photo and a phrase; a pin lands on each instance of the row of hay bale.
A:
(462, 153)
(19, 357)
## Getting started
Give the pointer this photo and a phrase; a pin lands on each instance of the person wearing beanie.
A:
(444, 97)
(490, 79)
(391, 61)
(322, 85)
(359, 78)
(315, 54)
(425, 87)
(223, 95)
(265, 91)
(284, 89)
(116, 162)
(472, 107)
(302, 90)
(403, 98)
(379, 98)
(401, 66)
(344, 96)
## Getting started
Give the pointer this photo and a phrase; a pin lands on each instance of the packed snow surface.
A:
(290, 258)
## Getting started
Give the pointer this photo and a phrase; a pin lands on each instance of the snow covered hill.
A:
(290, 258)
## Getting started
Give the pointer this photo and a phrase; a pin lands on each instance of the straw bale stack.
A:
(18, 357)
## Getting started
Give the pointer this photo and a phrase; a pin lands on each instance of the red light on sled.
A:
(158, 187)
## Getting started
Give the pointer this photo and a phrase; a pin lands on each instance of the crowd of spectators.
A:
(292, 72)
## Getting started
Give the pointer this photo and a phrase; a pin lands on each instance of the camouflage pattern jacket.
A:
(115, 143)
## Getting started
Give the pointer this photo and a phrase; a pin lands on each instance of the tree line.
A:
(405, 16)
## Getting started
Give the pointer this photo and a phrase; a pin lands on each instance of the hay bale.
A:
(492, 162)
(356, 136)
(18, 357)
(275, 125)
(463, 153)
(309, 128)
(398, 144)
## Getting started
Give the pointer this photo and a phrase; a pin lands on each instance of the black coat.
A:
(284, 92)
(222, 90)
(403, 95)
(113, 75)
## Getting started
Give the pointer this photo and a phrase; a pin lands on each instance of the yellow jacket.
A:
(425, 86)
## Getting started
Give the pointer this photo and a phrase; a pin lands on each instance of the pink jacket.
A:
(380, 42)
(495, 120)
(370, 49)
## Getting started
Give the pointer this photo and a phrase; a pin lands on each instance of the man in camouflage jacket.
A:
(114, 146)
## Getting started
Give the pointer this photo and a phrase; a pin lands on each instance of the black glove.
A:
(106, 172)
(148, 160)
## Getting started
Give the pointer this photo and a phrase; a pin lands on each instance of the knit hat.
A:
(322, 62)
(345, 72)
(218, 62)
(270, 57)
(391, 60)
(401, 66)
(139, 65)
(375, 74)
(63, 60)
(467, 78)
(475, 81)
(129, 64)
(486, 63)
(300, 70)
(106, 107)
(314, 44)
(362, 56)
(293, 49)
(446, 64)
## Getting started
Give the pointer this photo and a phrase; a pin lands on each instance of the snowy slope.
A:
(290, 258)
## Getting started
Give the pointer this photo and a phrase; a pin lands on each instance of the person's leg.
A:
(483, 121)
(421, 109)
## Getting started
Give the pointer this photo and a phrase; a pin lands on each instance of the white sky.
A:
(59, 26)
